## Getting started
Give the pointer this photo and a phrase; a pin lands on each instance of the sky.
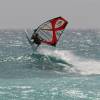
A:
(81, 14)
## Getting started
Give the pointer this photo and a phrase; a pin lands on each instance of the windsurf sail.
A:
(51, 30)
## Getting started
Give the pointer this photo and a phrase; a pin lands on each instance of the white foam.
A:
(75, 93)
(78, 33)
(82, 65)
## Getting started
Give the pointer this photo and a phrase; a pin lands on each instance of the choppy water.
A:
(71, 71)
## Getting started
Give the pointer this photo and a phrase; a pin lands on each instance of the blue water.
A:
(69, 71)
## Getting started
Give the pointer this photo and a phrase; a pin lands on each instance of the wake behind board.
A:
(34, 46)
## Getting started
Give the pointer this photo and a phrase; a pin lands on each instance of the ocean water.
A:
(69, 71)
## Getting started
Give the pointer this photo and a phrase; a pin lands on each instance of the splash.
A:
(81, 65)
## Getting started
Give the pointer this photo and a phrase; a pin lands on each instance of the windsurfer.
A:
(49, 32)
(36, 39)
